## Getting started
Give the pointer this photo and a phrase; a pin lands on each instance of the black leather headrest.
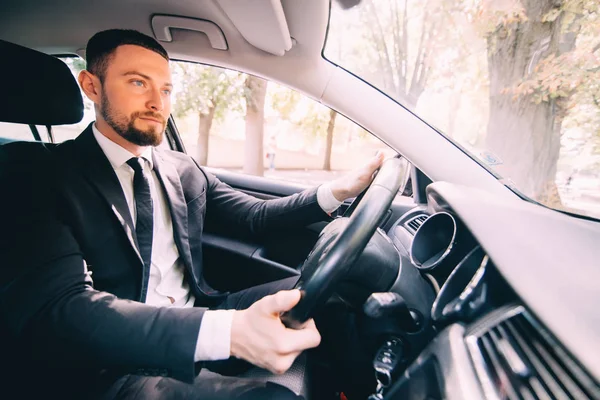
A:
(37, 88)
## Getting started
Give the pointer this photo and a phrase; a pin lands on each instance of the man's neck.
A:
(107, 131)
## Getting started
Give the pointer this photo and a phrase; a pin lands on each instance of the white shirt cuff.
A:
(214, 337)
(326, 199)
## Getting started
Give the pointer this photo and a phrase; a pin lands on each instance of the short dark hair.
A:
(102, 45)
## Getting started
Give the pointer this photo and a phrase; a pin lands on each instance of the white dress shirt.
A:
(166, 285)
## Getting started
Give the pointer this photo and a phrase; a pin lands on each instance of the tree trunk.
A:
(255, 120)
(329, 141)
(204, 125)
(525, 135)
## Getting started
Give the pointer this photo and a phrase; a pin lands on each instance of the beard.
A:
(125, 126)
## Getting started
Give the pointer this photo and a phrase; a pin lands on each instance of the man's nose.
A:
(156, 102)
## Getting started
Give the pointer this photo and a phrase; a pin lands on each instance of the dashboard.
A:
(515, 314)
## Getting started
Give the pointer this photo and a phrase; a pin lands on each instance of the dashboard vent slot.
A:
(516, 358)
(414, 223)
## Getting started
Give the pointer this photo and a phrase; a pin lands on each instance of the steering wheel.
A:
(334, 258)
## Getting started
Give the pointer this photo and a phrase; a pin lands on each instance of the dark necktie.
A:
(143, 205)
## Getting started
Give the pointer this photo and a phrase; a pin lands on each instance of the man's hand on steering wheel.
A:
(354, 182)
(343, 241)
(258, 334)
(259, 337)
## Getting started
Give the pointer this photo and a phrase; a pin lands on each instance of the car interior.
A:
(465, 289)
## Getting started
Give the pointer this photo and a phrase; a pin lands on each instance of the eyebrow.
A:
(144, 76)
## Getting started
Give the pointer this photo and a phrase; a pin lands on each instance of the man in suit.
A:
(108, 285)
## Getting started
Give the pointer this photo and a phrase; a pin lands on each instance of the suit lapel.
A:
(169, 178)
(99, 172)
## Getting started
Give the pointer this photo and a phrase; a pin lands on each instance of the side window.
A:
(11, 132)
(241, 123)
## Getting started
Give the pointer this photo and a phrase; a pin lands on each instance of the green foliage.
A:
(308, 115)
(200, 87)
(75, 64)
(552, 15)
(573, 76)
(316, 120)
(285, 101)
(78, 64)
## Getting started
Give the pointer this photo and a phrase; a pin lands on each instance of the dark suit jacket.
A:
(64, 205)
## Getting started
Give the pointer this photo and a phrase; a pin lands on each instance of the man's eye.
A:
(167, 92)
(138, 83)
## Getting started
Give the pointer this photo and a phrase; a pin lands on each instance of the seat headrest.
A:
(38, 89)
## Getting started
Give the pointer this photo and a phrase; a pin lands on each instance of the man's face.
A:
(136, 95)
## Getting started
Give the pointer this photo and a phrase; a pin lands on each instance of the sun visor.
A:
(261, 22)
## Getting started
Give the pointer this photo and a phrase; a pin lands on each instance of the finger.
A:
(374, 163)
(281, 301)
(298, 340)
(378, 158)
(283, 363)
(305, 338)
(310, 324)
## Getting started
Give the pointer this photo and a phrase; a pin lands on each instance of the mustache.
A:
(148, 114)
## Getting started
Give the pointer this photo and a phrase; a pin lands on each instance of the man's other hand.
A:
(354, 182)
(259, 337)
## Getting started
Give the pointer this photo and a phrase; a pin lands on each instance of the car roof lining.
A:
(73, 23)
(255, 25)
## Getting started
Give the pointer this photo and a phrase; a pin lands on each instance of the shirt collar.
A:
(116, 154)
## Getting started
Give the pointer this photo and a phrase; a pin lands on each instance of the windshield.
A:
(515, 83)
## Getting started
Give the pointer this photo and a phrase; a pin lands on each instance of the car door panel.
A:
(234, 261)
(233, 264)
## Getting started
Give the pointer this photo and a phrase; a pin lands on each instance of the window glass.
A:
(516, 83)
(242, 123)
(12, 132)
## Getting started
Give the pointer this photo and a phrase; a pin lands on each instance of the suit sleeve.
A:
(257, 215)
(47, 298)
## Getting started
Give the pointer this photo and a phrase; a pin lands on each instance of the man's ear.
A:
(90, 84)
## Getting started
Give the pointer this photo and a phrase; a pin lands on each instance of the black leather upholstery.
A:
(37, 89)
